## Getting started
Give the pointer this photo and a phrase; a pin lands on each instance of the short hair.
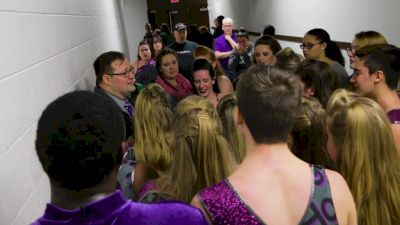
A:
(366, 156)
(269, 100)
(102, 65)
(220, 18)
(164, 52)
(308, 135)
(204, 64)
(270, 41)
(153, 128)
(205, 51)
(332, 50)
(319, 76)
(382, 57)
(287, 59)
(227, 113)
(78, 139)
(370, 37)
(227, 20)
(269, 30)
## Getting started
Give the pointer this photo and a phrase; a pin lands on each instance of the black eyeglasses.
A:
(350, 51)
(125, 74)
(309, 45)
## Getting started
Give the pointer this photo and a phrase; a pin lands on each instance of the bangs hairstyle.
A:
(153, 128)
(269, 100)
(201, 156)
(164, 52)
(367, 156)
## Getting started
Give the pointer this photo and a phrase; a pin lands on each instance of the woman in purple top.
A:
(145, 65)
(174, 83)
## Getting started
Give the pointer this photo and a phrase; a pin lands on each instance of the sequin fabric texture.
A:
(225, 206)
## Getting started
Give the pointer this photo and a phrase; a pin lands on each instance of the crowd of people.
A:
(213, 129)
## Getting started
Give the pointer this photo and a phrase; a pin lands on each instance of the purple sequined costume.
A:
(394, 116)
(225, 206)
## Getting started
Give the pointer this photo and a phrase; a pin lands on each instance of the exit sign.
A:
(174, 1)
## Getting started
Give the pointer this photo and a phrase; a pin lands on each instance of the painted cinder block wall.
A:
(47, 48)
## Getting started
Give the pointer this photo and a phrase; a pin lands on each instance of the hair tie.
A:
(202, 115)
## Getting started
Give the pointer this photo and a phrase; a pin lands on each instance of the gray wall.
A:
(47, 49)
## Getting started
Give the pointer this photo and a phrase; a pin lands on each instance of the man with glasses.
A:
(115, 79)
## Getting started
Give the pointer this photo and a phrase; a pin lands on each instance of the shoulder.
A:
(224, 84)
(342, 198)
(171, 212)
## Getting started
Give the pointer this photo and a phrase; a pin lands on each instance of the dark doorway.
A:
(185, 11)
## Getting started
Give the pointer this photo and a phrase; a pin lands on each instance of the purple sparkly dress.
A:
(225, 206)
(394, 116)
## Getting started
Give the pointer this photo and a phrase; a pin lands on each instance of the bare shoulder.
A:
(197, 203)
(342, 198)
(224, 84)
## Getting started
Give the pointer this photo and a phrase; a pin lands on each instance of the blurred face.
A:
(313, 48)
(243, 42)
(227, 28)
(169, 67)
(362, 80)
(203, 83)
(122, 79)
(180, 36)
(264, 55)
(330, 146)
(144, 52)
(157, 45)
(351, 52)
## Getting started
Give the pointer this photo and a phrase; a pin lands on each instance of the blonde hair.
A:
(367, 156)
(370, 37)
(201, 156)
(226, 111)
(209, 54)
(153, 128)
(309, 135)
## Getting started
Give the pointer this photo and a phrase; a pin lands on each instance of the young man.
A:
(184, 49)
(272, 185)
(79, 144)
(376, 75)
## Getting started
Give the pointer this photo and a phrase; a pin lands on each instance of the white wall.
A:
(135, 16)
(47, 49)
(238, 10)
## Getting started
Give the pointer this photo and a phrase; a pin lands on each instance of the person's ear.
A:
(323, 45)
(379, 76)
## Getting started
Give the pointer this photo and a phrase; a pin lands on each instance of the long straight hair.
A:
(153, 128)
(367, 156)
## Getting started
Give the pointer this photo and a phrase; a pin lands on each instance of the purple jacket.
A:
(115, 210)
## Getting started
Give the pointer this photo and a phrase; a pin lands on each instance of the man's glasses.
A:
(124, 74)
(309, 45)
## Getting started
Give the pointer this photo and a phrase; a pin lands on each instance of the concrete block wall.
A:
(47, 48)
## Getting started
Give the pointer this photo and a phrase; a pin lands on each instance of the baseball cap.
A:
(180, 26)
